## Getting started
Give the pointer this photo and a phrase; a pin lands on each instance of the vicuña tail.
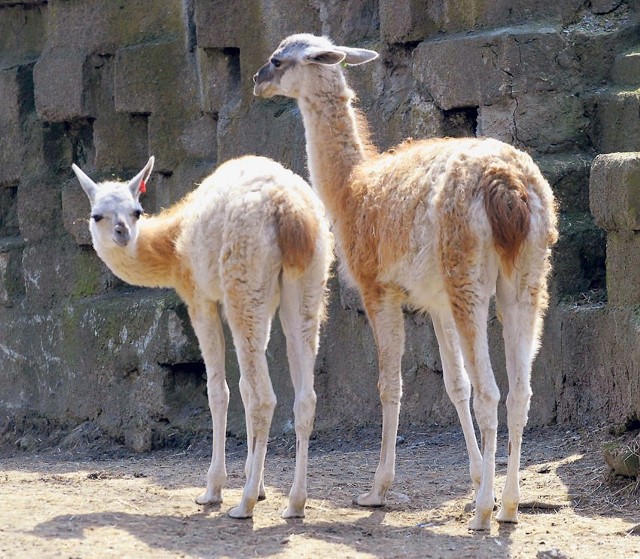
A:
(296, 232)
(507, 205)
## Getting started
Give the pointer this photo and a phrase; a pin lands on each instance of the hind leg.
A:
(470, 286)
(301, 309)
(206, 324)
(521, 320)
(250, 303)
(458, 388)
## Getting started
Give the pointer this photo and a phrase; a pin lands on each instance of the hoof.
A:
(240, 513)
(510, 516)
(370, 501)
(209, 498)
(480, 524)
(293, 512)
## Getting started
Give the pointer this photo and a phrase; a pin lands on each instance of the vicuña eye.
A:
(137, 214)
(276, 63)
(96, 217)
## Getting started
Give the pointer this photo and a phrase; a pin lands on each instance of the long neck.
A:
(334, 142)
(152, 260)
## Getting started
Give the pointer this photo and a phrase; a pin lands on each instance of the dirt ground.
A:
(109, 503)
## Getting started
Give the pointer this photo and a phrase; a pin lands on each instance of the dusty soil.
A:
(108, 503)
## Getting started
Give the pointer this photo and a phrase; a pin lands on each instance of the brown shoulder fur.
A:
(296, 230)
(506, 204)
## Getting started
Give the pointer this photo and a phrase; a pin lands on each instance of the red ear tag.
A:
(143, 187)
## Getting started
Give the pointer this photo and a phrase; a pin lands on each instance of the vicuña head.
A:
(115, 208)
(299, 56)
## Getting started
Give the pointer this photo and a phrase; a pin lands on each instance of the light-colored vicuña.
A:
(438, 225)
(253, 235)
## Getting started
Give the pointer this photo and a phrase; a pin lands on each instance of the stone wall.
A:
(107, 83)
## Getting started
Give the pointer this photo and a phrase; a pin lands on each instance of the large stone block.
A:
(465, 71)
(568, 175)
(58, 78)
(614, 191)
(518, 121)
(147, 77)
(220, 24)
(39, 209)
(403, 21)
(623, 268)
(75, 212)
(22, 33)
(617, 124)
(11, 278)
(626, 68)
(120, 141)
(346, 22)
(579, 257)
(220, 76)
(252, 130)
(10, 138)
(414, 20)
(98, 26)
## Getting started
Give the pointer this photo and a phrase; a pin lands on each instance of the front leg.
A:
(208, 328)
(385, 316)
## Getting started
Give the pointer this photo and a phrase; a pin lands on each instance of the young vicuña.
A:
(438, 225)
(251, 237)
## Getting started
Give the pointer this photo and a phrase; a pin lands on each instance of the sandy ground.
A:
(91, 504)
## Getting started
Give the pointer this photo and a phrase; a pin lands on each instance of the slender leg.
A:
(385, 316)
(521, 319)
(469, 295)
(245, 393)
(458, 388)
(300, 312)
(208, 329)
(249, 309)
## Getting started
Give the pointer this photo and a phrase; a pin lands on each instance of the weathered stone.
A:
(75, 212)
(479, 69)
(120, 141)
(173, 78)
(8, 211)
(221, 24)
(22, 34)
(220, 75)
(615, 191)
(75, 24)
(146, 79)
(578, 257)
(623, 268)
(59, 85)
(604, 6)
(405, 21)
(39, 209)
(347, 22)
(11, 279)
(626, 69)
(617, 126)
(568, 175)
(251, 131)
(11, 137)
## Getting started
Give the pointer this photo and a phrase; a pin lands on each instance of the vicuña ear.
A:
(138, 184)
(90, 187)
(326, 57)
(354, 56)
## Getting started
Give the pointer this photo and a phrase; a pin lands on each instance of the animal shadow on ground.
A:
(202, 535)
